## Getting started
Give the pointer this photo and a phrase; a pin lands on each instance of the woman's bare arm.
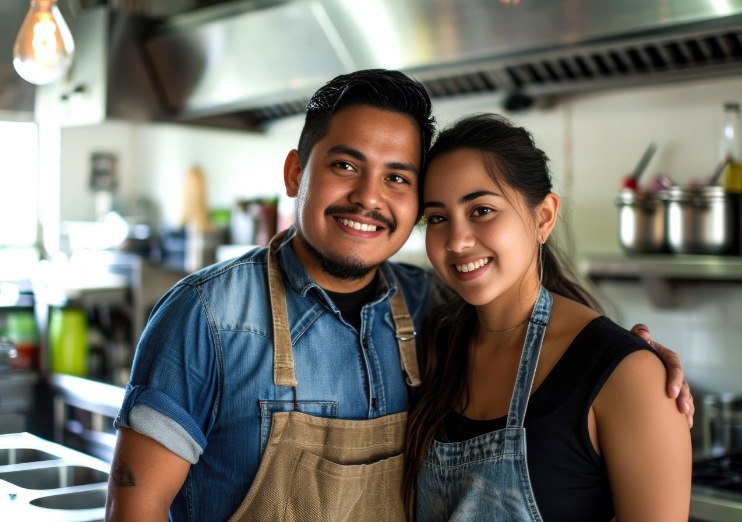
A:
(645, 442)
(677, 386)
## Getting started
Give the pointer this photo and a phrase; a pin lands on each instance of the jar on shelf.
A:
(23, 332)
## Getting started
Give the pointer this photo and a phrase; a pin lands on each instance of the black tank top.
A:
(568, 477)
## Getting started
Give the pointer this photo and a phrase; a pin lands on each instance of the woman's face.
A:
(480, 237)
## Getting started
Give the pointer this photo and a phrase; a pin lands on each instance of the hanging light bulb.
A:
(44, 47)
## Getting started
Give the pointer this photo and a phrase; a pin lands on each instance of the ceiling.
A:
(540, 50)
(16, 94)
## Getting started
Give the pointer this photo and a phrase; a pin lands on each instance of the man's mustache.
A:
(389, 224)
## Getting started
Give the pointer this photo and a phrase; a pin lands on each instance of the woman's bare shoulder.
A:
(568, 317)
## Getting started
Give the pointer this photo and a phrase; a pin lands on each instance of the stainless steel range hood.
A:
(240, 64)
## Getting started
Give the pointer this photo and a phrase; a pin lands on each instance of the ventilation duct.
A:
(240, 64)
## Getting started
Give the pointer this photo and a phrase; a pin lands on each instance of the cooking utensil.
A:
(718, 171)
(699, 220)
(641, 222)
(631, 182)
(722, 423)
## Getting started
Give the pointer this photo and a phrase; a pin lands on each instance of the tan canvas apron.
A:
(321, 469)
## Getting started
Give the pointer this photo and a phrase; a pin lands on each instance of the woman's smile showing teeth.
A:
(357, 226)
(473, 265)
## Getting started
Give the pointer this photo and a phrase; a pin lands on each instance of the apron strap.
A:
(283, 355)
(529, 358)
(405, 331)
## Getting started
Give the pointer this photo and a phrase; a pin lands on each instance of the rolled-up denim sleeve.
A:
(174, 385)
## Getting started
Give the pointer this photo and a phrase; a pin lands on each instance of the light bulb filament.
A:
(44, 41)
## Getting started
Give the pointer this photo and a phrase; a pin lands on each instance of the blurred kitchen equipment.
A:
(24, 334)
(254, 221)
(201, 247)
(730, 144)
(631, 182)
(722, 424)
(641, 225)
(194, 212)
(242, 223)
(68, 341)
(716, 176)
(8, 354)
(202, 237)
(699, 220)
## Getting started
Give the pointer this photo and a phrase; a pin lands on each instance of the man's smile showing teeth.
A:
(470, 267)
(357, 226)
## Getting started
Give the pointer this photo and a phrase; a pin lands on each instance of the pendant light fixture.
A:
(44, 47)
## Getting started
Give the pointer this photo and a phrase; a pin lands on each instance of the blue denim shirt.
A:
(202, 377)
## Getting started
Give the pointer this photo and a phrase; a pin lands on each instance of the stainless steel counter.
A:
(92, 432)
(15, 400)
(715, 505)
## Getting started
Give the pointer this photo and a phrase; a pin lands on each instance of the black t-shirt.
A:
(568, 478)
(350, 304)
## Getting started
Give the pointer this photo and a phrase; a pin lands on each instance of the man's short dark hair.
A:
(378, 88)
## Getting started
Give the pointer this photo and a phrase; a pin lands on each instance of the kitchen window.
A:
(18, 183)
(19, 173)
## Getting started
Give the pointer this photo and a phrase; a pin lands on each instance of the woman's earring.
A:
(541, 261)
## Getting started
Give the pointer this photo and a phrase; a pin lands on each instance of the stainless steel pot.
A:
(641, 222)
(699, 220)
(722, 423)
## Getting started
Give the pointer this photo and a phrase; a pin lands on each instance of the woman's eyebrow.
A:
(433, 204)
(466, 198)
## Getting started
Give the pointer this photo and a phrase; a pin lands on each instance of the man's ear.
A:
(547, 215)
(292, 173)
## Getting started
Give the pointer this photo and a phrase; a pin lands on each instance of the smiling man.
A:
(275, 386)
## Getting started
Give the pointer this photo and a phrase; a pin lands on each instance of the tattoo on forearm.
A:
(122, 475)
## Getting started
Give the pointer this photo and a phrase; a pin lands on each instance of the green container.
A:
(21, 327)
(23, 332)
(68, 341)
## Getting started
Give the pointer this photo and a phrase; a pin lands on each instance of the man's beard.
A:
(338, 267)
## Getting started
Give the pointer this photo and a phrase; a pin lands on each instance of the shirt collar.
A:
(298, 279)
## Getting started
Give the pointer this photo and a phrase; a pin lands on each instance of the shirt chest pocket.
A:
(314, 408)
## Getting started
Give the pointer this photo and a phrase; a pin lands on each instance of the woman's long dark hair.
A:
(512, 159)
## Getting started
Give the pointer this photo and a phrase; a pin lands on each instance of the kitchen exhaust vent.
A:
(579, 68)
(599, 66)
(242, 64)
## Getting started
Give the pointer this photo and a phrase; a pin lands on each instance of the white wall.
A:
(77, 202)
(593, 140)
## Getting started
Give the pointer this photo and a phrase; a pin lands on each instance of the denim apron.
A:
(325, 469)
(486, 478)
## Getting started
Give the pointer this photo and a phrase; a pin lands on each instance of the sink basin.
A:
(42, 480)
(20, 455)
(77, 500)
(53, 477)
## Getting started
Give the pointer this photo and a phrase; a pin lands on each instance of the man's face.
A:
(357, 196)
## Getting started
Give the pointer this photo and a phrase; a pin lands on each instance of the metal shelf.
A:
(660, 274)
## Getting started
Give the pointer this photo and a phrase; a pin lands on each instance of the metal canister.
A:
(641, 222)
(721, 423)
(699, 220)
